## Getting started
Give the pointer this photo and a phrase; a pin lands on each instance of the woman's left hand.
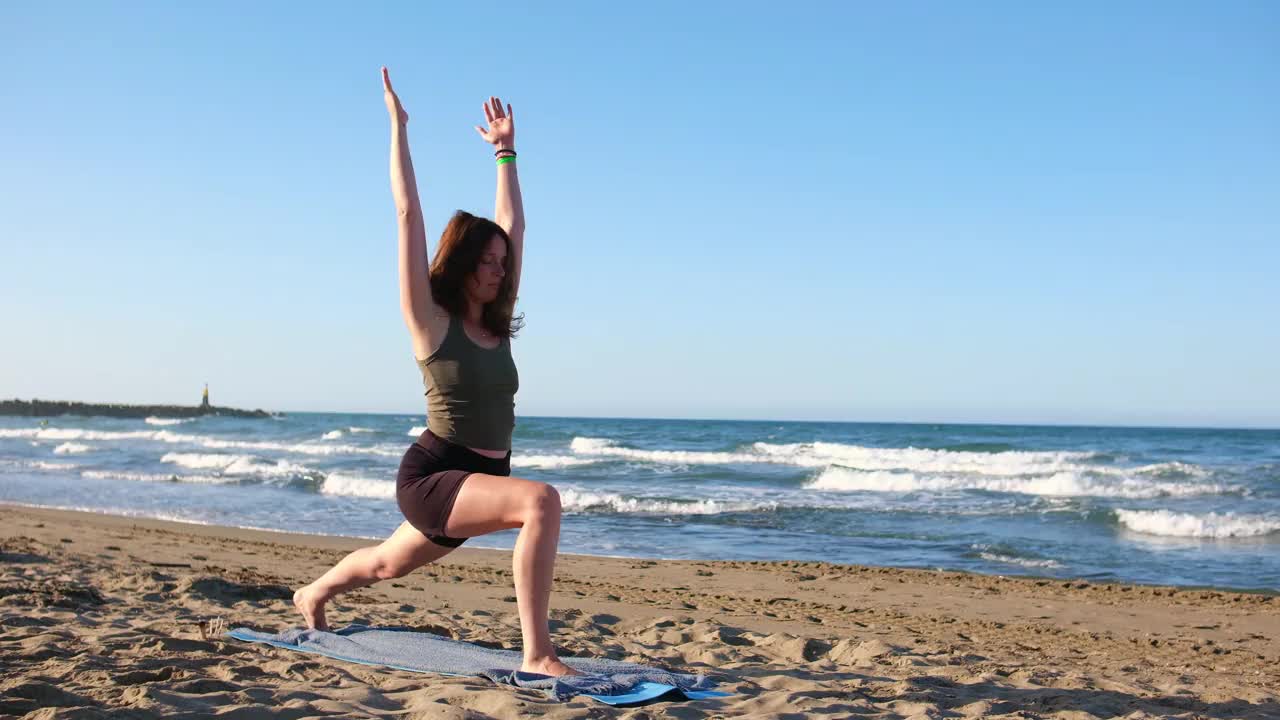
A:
(502, 126)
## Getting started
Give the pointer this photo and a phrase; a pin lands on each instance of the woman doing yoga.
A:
(454, 481)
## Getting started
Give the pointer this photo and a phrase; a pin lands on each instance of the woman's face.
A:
(483, 284)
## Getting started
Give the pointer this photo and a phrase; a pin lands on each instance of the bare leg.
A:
(402, 553)
(488, 503)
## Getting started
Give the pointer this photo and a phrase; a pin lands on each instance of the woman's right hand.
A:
(394, 108)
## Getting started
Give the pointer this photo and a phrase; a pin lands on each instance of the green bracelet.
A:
(506, 159)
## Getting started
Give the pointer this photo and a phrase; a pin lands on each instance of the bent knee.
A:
(542, 500)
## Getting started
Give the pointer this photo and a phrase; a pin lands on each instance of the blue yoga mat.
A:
(609, 681)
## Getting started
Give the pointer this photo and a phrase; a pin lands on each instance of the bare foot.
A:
(547, 666)
(311, 607)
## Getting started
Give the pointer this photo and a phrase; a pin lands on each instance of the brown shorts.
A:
(431, 473)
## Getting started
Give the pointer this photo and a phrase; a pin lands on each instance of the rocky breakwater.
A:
(52, 408)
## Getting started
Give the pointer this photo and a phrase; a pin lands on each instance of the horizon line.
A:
(744, 420)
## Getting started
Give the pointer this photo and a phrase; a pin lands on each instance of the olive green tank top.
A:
(471, 390)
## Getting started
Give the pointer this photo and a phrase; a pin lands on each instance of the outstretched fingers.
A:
(498, 120)
(386, 80)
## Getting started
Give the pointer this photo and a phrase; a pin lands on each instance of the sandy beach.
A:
(109, 616)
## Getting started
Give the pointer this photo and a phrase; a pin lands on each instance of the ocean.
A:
(1187, 507)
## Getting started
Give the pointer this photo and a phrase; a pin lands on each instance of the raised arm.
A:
(509, 209)
(416, 303)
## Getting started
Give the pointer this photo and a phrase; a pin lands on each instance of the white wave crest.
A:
(924, 460)
(70, 448)
(201, 461)
(212, 443)
(355, 429)
(548, 462)
(357, 486)
(993, 554)
(919, 461)
(268, 468)
(417, 430)
(1060, 484)
(166, 421)
(239, 465)
(332, 435)
(156, 477)
(296, 448)
(1208, 525)
(1014, 560)
(73, 434)
(127, 512)
(579, 500)
(18, 432)
(589, 444)
(45, 465)
(603, 446)
(1164, 468)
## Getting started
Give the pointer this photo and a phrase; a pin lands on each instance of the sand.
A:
(108, 616)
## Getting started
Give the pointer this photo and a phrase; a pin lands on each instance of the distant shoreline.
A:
(54, 408)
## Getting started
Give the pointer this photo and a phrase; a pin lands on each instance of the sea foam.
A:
(357, 486)
(53, 433)
(239, 465)
(212, 443)
(1020, 561)
(924, 460)
(605, 447)
(304, 448)
(1011, 463)
(1059, 484)
(1191, 525)
(548, 462)
(45, 465)
(573, 500)
(156, 477)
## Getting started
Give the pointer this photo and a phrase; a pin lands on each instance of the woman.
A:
(454, 481)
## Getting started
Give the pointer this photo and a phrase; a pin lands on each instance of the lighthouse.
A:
(204, 401)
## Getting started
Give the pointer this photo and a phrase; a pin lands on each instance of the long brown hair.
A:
(458, 253)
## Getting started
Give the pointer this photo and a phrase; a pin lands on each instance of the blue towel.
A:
(609, 681)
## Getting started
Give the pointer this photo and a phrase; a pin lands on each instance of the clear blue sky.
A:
(1003, 212)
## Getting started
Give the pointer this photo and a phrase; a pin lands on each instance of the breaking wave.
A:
(1192, 525)
(1059, 484)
